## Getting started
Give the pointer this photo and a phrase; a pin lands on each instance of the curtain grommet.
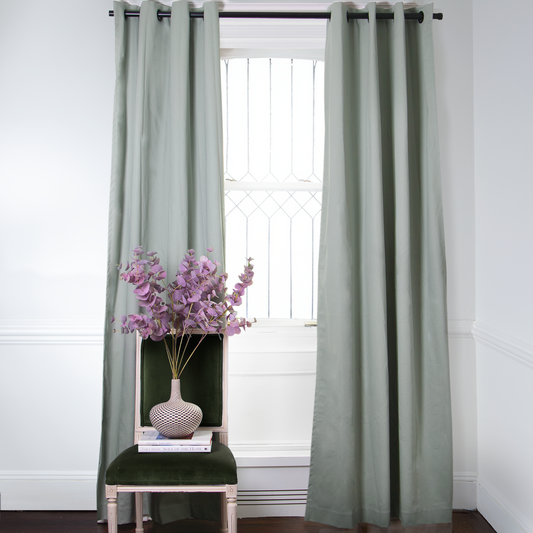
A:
(159, 16)
(420, 17)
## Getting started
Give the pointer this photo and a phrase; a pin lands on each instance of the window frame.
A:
(274, 38)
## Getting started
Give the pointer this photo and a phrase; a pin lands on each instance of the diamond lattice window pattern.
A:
(273, 148)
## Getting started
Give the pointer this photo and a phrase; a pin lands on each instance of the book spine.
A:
(170, 443)
(173, 449)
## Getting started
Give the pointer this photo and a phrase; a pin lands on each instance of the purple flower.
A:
(197, 299)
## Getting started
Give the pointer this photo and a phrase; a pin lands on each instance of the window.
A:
(273, 152)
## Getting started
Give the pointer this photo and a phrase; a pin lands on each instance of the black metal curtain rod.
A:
(286, 15)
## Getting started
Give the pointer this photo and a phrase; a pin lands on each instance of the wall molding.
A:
(470, 477)
(502, 515)
(48, 475)
(504, 344)
(91, 333)
(51, 332)
(271, 453)
(273, 374)
(460, 328)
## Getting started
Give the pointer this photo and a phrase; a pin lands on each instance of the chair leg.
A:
(231, 498)
(223, 513)
(232, 515)
(139, 526)
(112, 518)
(112, 515)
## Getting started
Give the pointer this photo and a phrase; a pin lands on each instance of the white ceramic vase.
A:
(176, 418)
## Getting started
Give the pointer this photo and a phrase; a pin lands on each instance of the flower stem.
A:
(182, 355)
(192, 353)
(169, 355)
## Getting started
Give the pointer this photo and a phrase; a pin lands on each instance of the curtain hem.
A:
(383, 524)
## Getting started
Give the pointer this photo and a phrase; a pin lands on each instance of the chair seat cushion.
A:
(133, 468)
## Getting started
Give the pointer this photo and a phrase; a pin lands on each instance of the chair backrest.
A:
(203, 382)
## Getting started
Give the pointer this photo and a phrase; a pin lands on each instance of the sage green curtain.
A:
(166, 191)
(382, 440)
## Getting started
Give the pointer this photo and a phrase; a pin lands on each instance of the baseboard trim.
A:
(511, 347)
(48, 491)
(465, 490)
(501, 514)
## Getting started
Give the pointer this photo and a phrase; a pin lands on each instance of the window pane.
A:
(273, 137)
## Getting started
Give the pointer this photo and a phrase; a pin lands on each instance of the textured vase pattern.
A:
(176, 418)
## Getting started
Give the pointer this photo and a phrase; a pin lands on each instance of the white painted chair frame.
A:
(228, 493)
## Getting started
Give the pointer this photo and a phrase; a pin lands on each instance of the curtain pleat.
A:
(166, 195)
(382, 443)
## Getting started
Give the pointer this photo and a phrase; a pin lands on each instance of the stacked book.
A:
(152, 442)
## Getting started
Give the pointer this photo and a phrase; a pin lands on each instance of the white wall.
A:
(56, 98)
(56, 92)
(504, 254)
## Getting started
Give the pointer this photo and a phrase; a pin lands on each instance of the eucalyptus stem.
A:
(178, 355)
(189, 335)
(192, 353)
(174, 361)
(169, 355)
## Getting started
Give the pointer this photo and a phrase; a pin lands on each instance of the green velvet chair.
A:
(204, 382)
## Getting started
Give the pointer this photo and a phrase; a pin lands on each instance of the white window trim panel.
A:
(296, 39)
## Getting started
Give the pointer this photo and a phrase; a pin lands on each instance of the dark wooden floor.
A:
(85, 522)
